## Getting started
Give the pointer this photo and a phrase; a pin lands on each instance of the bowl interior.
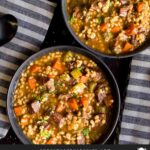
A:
(105, 69)
(145, 45)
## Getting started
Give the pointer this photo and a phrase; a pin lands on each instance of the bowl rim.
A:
(13, 121)
(139, 49)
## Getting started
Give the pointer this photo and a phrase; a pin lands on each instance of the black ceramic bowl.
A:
(105, 69)
(145, 45)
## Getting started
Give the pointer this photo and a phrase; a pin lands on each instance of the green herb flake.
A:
(42, 88)
(85, 131)
(36, 97)
(100, 20)
(74, 95)
(46, 134)
(39, 97)
(81, 68)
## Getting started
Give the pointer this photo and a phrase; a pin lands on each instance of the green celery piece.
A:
(92, 86)
(67, 55)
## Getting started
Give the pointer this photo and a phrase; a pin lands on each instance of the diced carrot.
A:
(24, 121)
(73, 104)
(127, 47)
(84, 101)
(32, 83)
(115, 29)
(140, 6)
(83, 79)
(35, 68)
(131, 30)
(59, 108)
(51, 76)
(103, 27)
(19, 110)
(50, 141)
(59, 66)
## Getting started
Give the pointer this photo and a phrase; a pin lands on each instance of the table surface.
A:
(58, 34)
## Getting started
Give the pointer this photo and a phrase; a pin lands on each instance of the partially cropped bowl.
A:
(109, 76)
(137, 50)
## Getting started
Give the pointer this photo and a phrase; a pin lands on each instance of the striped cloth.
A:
(135, 126)
(34, 17)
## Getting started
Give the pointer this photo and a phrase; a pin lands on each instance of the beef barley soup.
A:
(63, 98)
(110, 26)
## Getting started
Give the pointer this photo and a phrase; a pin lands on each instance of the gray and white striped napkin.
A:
(135, 126)
(34, 17)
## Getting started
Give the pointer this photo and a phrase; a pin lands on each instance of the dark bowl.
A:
(101, 64)
(145, 45)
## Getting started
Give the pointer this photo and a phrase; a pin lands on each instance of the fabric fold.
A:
(135, 126)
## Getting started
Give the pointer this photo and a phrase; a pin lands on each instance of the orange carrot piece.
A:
(83, 79)
(115, 29)
(103, 27)
(127, 47)
(140, 6)
(50, 141)
(35, 68)
(59, 66)
(84, 101)
(73, 104)
(24, 121)
(131, 30)
(51, 76)
(19, 110)
(32, 83)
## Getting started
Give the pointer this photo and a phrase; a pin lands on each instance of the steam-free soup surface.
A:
(63, 98)
(110, 26)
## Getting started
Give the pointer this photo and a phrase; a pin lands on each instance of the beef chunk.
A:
(56, 118)
(42, 80)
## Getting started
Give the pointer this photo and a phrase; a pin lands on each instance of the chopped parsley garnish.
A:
(81, 68)
(46, 134)
(85, 131)
(38, 97)
(74, 95)
(100, 20)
